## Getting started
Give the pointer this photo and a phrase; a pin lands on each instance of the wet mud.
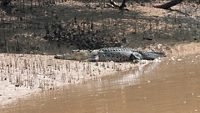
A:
(170, 86)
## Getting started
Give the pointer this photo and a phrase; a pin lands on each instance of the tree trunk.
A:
(168, 5)
(123, 4)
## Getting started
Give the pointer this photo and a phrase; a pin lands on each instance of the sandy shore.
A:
(22, 75)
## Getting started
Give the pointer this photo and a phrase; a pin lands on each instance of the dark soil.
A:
(57, 27)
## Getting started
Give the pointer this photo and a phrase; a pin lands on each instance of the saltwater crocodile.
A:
(116, 54)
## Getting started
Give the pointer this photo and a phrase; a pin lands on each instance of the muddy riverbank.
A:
(30, 30)
(168, 86)
(23, 74)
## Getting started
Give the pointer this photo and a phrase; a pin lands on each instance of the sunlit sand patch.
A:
(23, 74)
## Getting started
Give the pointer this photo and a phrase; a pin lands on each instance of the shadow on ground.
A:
(24, 29)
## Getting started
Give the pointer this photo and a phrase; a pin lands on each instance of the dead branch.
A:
(168, 5)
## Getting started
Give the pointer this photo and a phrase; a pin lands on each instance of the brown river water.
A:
(171, 86)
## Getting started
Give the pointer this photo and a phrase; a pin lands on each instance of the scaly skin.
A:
(115, 54)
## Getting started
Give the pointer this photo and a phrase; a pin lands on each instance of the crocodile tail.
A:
(161, 54)
(153, 55)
